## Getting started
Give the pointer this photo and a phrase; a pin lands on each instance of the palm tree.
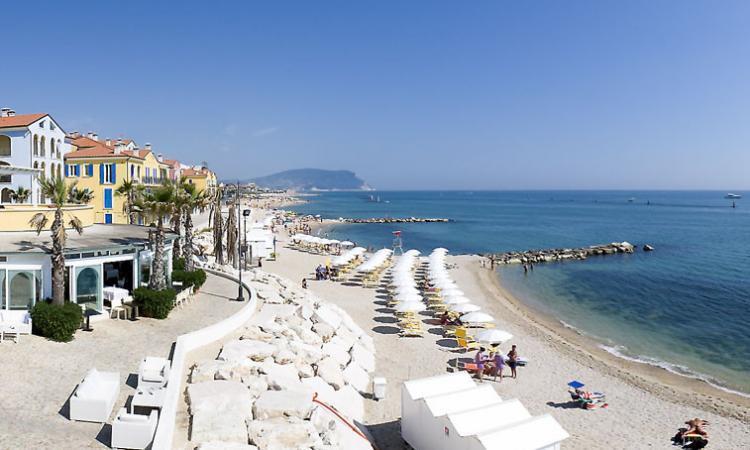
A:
(131, 191)
(218, 227)
(193, 199)
(20, 195)
(175, 220)
(58, 192)
(232, 235)
(80, 196)
(158, 204)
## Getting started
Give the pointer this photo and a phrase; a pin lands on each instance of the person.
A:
(695, 436)
(513, 361)
(479, 361)
(304, 283)
(498, 363)
(260, 263)
(444, 318)
(525, 268)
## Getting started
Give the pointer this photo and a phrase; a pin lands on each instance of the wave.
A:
(677, 369)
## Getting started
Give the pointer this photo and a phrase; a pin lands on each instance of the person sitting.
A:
(445, 318)
(694, 436)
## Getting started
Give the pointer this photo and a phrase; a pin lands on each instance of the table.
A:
(115, 295)
(148, 399)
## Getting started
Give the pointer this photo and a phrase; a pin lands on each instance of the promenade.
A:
(37, 376)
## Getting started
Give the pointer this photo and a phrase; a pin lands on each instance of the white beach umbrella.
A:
(464, 308)
(458, 300)
(408, 297)
(410, 307)
(477, 317)
(493, 336)
(347, 243)
(452, 292)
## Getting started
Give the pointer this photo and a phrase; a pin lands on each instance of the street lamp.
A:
(240, 294)
(245, 215)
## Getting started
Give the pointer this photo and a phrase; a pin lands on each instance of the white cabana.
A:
(450, 412)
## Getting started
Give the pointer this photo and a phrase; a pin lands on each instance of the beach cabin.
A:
(451, 412)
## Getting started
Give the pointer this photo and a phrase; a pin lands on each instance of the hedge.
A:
(56, 322)
(195, 278)
(156, 304)
(178, 264)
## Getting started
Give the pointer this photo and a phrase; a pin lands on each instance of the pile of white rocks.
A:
(259, 391)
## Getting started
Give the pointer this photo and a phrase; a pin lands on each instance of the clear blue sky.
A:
(439, 94)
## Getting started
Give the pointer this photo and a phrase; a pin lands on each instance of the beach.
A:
(646, 405)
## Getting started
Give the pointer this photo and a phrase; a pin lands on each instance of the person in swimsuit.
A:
(498, 364)
(513, 361)
(479, 361)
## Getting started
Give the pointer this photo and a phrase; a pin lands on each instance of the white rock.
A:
(357, 377)
(326, 315)
(338, 352)
(282, 403)
(226, 427)
(306, 334)
(330, 371)
(350, 403)
(345, 338)
(284, 356)
(218, 445)
(304, 370)
(235, 370)
(246, 348)
(323, 330)
(363, 357)
(284, 435)
(307, 353)
(319, 386)
(206, 371)
(225, 396)
(254, 332)
(368, 342)
(256, 384)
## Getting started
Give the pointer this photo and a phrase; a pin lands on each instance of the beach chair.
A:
(466, 345)
(584, 399)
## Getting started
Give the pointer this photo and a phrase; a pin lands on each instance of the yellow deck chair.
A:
(463, 343)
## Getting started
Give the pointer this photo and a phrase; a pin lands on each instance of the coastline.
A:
(650, 378)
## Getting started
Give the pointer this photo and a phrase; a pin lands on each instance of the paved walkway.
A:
(37, 376)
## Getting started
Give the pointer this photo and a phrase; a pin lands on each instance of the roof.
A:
(475, 397)
(194, 173)
(87, 148)
(530, 434)
(22, 120)
(96, 236)
(440, 384)
(488, 418)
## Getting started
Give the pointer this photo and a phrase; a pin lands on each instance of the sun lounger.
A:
(133, 431)
(94, 398)
(153, 373)
(466, 345)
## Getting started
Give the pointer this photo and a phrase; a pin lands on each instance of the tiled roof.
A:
(23, 120)
(87, 147)
(194, 173)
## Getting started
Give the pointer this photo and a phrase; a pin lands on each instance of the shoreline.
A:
(650, 378)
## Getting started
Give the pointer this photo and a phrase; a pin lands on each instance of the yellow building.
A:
(203, 179)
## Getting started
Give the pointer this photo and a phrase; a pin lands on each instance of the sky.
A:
(409, 95)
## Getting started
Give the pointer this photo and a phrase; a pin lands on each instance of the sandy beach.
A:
(646, 405)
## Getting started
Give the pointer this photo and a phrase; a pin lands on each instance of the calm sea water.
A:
(685, 306)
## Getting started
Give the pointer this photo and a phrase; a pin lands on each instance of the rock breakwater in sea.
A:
(561, 254)
(295, 379)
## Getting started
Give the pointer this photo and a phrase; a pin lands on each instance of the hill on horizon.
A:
(312, 180)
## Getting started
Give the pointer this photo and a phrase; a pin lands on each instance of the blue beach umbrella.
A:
(575, 384)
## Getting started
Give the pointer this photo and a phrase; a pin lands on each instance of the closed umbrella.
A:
(493, 336)
(465, 308)
(477, 317)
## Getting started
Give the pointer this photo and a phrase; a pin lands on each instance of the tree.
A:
(20, 195)
(175, 220)
(80, 196)
(232, 235)
(192, 199)
(218, 227)
(158, 204)
(58, 192)
(131, 191)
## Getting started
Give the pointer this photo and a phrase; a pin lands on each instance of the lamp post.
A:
(240, 295)
(245, 215)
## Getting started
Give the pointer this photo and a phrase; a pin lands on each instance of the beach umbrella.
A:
(408, 297)
(347, 244)
(493, 336)
(457, 300)
(452, 292)
(477, 317)
(464, 308)
(410, 307)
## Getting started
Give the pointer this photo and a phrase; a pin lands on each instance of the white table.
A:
(115, 295)
(150, 398)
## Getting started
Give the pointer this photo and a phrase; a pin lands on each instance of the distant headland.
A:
(306, 180)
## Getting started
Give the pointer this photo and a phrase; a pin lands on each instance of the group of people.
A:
(492, 363)
(325, 272)
(694, 436)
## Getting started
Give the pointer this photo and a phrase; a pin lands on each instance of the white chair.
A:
(153, 373)
(95, 396)
(14, 323)
(133, 431)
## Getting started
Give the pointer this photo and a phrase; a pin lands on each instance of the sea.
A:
(684, 307)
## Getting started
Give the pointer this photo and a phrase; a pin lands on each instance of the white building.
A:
(30, 144)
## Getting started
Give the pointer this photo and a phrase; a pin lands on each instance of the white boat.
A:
(733, 196)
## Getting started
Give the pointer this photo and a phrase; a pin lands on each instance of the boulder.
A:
(218, 445)
(304, 370)
(323, 330)
(307, 353)
(337, 351)
(357, 377)
(320, 387)
(367, 342)
(284, 435)
(235, 370)
(231, 397)
(282, 404)
(256, 384)
(324, 314)
(363, 357)
(306, 335)
(344, 338)
(206, 371)
(329, 370)
(246, 348)
(225, 427)
(349, 403)
(284, 356)
(253, 332)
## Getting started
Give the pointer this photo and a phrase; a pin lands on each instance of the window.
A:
(51, 147)
(36, 145)
(107, 198)
(4, 146)
(22, 289)
(58, 148)
(89, 170)
(107, 173)
(41, 124)
(42, 145)
(87, 287)
(5, 178)
(52, 125)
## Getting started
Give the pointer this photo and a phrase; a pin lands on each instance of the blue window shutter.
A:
(132, 171)
(66, 169)
(108, 218)
(90, 170)
(108, 198)
(101, 173)
(78, 170)
(114, 174)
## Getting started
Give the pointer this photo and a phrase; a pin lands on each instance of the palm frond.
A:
(39, 222)
(76, 224)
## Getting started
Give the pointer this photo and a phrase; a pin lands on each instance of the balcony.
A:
(16, 217)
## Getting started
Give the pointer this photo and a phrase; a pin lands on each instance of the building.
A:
(31, 145)
(175, 169)
(203, 178)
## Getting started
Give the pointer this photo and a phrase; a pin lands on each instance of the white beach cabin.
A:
(451, 412)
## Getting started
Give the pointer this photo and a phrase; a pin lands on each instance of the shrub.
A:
(195, 278)
(156, 304)
(178, 264)
(56, 322)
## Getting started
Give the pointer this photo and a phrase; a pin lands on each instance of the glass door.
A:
(88, 287)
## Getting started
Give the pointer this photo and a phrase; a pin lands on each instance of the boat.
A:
(731, 196)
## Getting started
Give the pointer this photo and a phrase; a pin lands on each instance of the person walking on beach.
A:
(513, 361)
(479, 362)
(498, 365)
(304, 283)
(525, 269)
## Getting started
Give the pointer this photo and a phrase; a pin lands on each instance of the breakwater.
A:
(397, 220)
(561, 254)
